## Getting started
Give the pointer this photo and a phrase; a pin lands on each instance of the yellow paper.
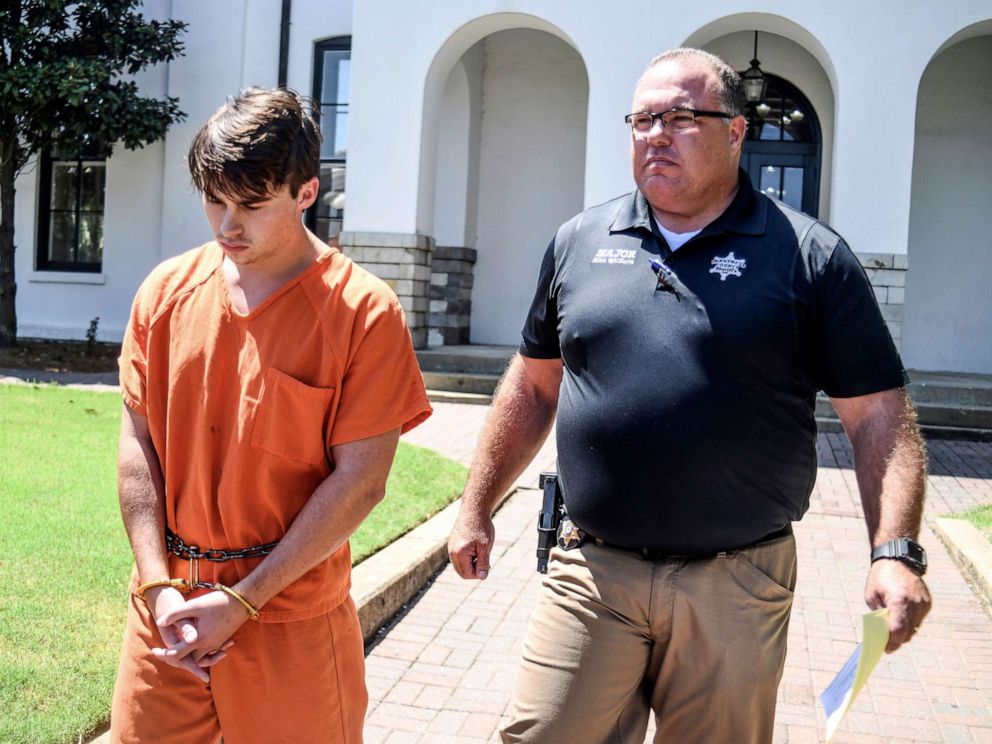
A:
(844, 688)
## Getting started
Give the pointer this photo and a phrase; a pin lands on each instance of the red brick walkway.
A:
(445, 672)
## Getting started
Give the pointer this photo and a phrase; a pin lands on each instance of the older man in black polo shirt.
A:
(681, 332)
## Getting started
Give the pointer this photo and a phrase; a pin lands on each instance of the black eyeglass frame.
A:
(661, 116)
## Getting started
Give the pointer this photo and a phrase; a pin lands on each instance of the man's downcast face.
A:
(250, 232)
(680, 172)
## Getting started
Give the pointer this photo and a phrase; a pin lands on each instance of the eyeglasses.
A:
(674, 120)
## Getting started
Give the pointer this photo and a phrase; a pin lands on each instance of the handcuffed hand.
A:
(199, 630)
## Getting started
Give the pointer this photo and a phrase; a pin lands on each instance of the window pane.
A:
(327, 229)
(770, 175)
(770, 131)
(92, 185)
(90, 238)
(335, 82)
(333, 91)
(327, 122)
(792, 189)
(72, 214)
(796, 122)
(64, 186)
(341, 134)
(344, 80)
(779, 116)
(334, 128)
(62, 238)
(330, 198)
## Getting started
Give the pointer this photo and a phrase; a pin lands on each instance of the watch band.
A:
(903, 549)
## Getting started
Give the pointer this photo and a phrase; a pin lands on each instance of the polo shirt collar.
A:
(632, 212)
(747, 213)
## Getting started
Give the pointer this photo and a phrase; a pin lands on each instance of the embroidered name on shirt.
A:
(622, 256)
(728, 265)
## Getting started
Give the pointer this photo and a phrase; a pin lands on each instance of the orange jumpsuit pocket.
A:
(291, 418)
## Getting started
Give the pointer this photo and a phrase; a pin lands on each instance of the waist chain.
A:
(180, 548)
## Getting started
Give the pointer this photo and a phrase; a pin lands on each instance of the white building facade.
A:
(464, 133)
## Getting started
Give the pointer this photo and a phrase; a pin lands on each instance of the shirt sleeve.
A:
(540, 331)
(853, 352)
(133, 361)
(382, 388)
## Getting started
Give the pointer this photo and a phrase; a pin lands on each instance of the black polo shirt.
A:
(685, 419)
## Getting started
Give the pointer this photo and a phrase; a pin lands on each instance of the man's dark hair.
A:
(731, 89)
(256, 143)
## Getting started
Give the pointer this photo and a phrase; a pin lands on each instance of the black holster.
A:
(552, 508)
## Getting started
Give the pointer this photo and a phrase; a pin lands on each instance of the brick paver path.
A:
(445, 672)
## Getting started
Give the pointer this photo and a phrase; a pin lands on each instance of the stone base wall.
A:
(887, 273)
(434, 283)
(403, 261)
(451, 295)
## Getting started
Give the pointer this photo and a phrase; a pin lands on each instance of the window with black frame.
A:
(331, 87)
(783, 146)
(70, 214)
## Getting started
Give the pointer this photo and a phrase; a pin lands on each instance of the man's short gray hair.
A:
(731, 90)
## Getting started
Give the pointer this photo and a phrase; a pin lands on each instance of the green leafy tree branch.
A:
(66, 85)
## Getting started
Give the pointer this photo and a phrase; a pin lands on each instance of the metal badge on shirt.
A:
(569, 535)
(728, 265)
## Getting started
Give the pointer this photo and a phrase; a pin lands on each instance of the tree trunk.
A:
(8, 287)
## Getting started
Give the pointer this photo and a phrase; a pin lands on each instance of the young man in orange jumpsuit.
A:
(266, 381)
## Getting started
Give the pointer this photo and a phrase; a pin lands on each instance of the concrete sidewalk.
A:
(103, 381)
(445, 671)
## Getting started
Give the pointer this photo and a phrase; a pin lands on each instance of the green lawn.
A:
(980, 517)
(64, 557)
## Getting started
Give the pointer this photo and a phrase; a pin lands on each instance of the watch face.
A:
(916, 552)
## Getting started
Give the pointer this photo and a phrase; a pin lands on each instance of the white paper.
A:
(844, 688)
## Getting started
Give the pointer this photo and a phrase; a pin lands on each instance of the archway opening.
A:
(510, 167)
(947, 322)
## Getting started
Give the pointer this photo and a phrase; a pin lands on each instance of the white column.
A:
(210, 71)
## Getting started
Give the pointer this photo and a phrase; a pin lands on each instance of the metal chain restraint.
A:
(179, 548)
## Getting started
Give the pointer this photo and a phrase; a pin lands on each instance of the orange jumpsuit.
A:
(243, 411)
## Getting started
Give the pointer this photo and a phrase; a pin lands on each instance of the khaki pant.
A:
(701, 642)
(293, 682)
